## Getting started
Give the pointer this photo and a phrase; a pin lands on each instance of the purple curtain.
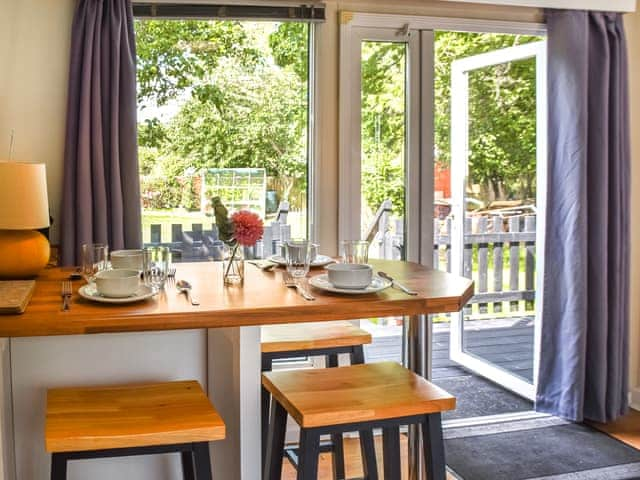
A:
(101, 197)
(583, 362)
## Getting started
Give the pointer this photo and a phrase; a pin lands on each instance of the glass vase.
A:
(233, 267)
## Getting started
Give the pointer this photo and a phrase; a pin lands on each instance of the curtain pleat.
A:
(101, 197)
(584, 346)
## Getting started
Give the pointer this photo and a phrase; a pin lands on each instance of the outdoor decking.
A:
(506, 342)
(510, 347)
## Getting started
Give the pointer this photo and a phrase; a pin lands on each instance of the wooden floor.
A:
(353, 465)
(626, 430)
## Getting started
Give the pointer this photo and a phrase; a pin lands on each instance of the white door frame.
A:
(459, 173)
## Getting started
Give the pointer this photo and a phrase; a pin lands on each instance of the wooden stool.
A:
(355, 398)
(328, 339)
(120, 421)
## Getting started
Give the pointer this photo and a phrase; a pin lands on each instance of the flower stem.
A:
(233, 255)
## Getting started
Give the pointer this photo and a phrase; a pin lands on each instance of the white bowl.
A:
(350, 275)
(118, 283)
(127, 259)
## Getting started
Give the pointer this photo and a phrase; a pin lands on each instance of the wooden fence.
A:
(492, 241)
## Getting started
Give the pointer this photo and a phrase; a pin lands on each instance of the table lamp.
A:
(24, 207)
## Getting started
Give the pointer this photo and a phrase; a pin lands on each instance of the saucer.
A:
(319, 261)
(90, 293)
(322, 282)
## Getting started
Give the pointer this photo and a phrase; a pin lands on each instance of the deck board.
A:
(509, 347)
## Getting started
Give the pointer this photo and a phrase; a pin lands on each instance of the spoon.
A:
(185, 287)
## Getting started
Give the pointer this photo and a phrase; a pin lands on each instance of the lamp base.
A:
(23, 253)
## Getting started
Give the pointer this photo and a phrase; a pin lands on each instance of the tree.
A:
(383, 124)
(240, 101)
(174, 56)
(502, 112)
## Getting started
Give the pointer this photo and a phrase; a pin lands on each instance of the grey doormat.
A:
(477, 397)
(538, 449)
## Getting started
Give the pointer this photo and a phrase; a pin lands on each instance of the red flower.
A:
(247, 228)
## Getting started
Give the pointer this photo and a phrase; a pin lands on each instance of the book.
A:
(15, 295)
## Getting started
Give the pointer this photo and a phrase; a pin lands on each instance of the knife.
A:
(397, 285)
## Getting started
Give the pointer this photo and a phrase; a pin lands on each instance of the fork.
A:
(291, 282)
(171, 276)
(66, 293)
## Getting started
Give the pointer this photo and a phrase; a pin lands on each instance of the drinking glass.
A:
(298, 256)
(94, 259)
(155, 266)
(355, 251)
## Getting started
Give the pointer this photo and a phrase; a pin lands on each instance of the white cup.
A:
(117, 283)
(127, 259)
(354, 276)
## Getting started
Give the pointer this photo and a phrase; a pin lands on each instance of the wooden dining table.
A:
(232, 315)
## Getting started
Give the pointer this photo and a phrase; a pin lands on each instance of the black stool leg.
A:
(187, 466)
(391, 452)
(357, 355)
(275, 442)
(202, 460)
(308, 454)
(265, 400)
(58, 467)
(433, 447)
(337, 459)
(368, 451)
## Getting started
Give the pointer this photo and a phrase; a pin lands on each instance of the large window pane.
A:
(222, 111)
(383, 186)
(383, 140)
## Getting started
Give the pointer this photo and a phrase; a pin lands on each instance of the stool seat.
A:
(312, 336)
(357, 393)
(98, 418)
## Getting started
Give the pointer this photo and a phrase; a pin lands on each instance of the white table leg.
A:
(234, 388)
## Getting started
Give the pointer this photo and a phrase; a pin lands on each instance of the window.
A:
(223, 110)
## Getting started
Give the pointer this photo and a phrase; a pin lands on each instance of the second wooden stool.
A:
(355, 398)
(121, 421)
(328, 339)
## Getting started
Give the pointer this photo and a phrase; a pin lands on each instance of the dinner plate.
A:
(90, 293)
(319, 261)
(322, 282)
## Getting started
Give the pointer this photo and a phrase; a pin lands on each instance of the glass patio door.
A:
(497, 225)
(380, 176)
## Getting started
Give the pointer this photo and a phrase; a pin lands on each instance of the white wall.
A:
(33, 95)
(33, 98)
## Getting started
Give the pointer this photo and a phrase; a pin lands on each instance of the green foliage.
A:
(289, 47)
(151, 133)
(502, 112)
(173, 56)
(240, 95)
(383, 124)
(224, 224)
